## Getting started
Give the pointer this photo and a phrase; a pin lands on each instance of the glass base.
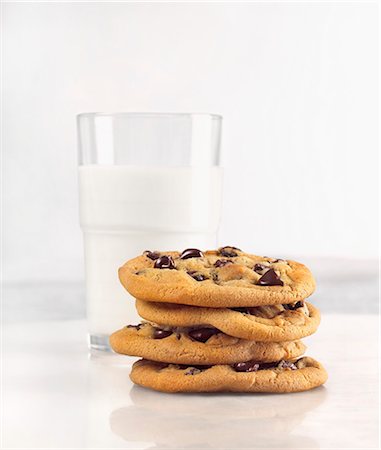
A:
(99, 342)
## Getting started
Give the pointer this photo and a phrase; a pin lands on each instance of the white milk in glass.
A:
(125, 210)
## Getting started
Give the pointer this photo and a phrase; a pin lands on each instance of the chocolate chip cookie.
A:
(271, 323)
(227, 277)
(284, 376)
(197, 346)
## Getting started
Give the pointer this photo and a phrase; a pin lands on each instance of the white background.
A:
(297, 85)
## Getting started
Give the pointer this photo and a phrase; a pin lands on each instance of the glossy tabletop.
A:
(58, 395)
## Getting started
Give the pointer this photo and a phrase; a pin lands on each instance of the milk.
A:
(125, 210)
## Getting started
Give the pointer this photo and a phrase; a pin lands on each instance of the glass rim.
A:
(160, 115)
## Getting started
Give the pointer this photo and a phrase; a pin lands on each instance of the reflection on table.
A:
(216, 420)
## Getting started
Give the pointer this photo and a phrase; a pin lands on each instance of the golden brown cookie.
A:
(272, 323)
(285, 376)
(197, 346)
(224, 278)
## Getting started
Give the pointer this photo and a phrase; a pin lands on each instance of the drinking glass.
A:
(147, 181)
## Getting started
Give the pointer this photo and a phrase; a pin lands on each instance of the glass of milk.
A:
(147, 181)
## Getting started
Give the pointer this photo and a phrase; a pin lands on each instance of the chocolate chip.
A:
(293, 306)
(152, 255)
(286, 365)
(248, 366)
(222, 262)
(191, 253)
(204, 367)
(259, 267)
(265, 366)
(197, 276)
(202, 334)
(270, 278)
(192, 371)
(164, 262)
(228, 251)
(161, 334)
(278, 260)
(135, 327)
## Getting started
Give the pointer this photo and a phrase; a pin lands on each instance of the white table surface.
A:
(57, 395)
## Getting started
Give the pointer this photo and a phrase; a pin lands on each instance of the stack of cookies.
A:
(220, 320)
